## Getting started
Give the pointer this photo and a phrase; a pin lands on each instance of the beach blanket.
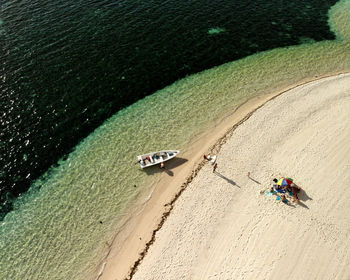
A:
(279, 198)
(269, 193)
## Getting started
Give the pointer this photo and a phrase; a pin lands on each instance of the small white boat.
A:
(154, 158)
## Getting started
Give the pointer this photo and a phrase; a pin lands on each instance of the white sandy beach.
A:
(222, 227)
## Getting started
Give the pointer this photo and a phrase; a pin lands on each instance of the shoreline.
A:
(123, 259)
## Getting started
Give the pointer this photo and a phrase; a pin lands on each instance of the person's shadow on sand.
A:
(303, 197)
(254, 180)
(175, 162)
(226, 179)
(290, 204)
(303, 205)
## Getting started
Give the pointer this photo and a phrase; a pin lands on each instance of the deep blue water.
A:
(66, 66)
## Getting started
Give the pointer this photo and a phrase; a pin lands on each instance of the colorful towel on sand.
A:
(279, 198)
(269, 193)
(280, 191)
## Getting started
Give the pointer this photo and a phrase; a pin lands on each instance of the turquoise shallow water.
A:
(55, 230)
(73, 64)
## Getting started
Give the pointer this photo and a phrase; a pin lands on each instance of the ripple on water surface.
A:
(74, 64)
(57, 233)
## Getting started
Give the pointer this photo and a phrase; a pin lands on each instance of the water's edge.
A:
(223, 129)
(61, 231)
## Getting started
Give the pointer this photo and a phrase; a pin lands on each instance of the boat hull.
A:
(155, 158)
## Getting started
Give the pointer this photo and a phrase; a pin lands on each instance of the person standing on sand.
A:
(214, 167)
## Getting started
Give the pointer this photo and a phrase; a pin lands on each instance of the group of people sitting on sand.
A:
(283, 186)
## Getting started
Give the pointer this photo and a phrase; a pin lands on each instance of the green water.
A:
(58, 234)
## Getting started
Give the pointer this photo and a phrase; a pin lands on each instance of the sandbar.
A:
(204, 225)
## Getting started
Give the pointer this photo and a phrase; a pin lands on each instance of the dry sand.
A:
(222, 227)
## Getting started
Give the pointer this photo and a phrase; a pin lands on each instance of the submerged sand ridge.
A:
(222, 227)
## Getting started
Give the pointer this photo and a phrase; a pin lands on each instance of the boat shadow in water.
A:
(168, 165)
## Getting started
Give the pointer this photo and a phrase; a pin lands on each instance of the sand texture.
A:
(224, 226)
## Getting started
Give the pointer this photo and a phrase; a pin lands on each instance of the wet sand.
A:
(204, 225)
